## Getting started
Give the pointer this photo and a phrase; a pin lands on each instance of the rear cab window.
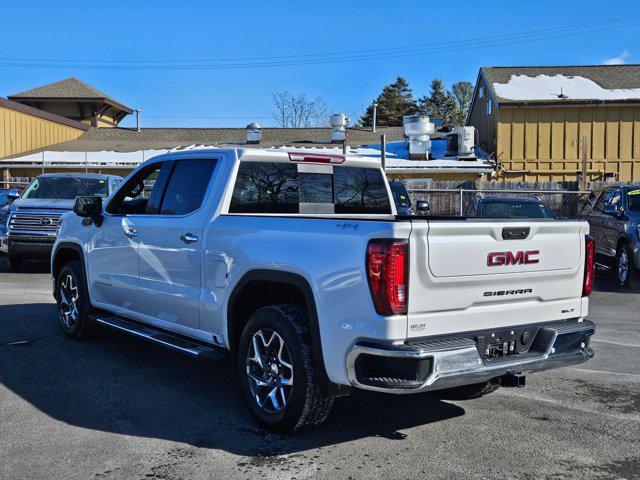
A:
(309, 189)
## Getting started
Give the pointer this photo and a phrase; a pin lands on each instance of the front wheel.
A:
(73, 302)
(279, 378)
(625, 267)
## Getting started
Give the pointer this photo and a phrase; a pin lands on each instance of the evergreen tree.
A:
(462, 93)
(395, 101)
(439, 103)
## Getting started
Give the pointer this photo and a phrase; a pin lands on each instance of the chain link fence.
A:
(19, 184)
(564, 204)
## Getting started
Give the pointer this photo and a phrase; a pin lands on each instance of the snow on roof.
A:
(396, 157)
(545, 87)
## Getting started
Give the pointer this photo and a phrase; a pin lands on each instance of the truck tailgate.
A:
(475, 274)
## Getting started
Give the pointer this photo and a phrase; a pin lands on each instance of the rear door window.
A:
(308, 189)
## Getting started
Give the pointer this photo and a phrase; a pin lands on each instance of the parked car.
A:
(614, 217)
(297, 265)
(401, 197)
(28, 225)
(509, 207)
(8, 195)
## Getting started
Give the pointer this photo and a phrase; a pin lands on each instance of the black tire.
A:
(625, 268)
(469, 392)
(73, 311)
(306, 402)
(14, 263)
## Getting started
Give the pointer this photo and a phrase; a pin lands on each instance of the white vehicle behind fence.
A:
(297, 265)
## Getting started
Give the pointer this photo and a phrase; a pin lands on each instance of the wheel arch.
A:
(273, 279)
(64, 253)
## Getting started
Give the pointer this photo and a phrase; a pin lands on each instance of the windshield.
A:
(515, 209)
(66, 188)
(633, 199)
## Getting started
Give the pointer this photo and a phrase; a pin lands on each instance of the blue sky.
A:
(170, 32)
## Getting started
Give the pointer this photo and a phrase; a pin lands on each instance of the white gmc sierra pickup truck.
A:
(297, 264)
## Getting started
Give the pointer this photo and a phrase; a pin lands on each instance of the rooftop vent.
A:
(339, 123)
(254, 133)
(418, 128)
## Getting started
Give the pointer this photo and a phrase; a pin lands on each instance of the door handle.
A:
(130, 232)
(188, 238)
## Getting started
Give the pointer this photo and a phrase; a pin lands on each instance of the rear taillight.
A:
(388, 274)
(589, 265)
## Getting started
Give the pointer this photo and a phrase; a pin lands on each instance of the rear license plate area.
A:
(504, 343)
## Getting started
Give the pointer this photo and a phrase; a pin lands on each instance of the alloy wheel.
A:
(623, 267)
(269, 370)
(68, 303)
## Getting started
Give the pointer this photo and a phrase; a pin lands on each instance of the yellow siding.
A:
(545, 143)
(21, 133)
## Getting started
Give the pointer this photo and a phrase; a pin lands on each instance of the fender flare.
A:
(68, 246)
(297, 281)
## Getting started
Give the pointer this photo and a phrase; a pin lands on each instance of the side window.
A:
(616, 198)
(489, 107)
(134, 196)
(187, 186)
(604, 199)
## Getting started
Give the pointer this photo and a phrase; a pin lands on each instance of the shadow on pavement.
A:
(119, 384)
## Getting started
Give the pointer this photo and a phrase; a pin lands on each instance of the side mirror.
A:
(89, 207)
(611, 209)
(13, 194)
(423, 206)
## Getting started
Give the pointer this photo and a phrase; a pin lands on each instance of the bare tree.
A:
(294, 111)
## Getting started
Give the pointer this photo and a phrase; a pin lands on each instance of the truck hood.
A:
(42, 204)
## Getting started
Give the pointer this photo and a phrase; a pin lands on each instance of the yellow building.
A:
(535, 120)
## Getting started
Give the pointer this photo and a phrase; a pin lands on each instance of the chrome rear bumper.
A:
(452, 362)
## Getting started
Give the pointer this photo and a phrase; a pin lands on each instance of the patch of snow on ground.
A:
(545, 87)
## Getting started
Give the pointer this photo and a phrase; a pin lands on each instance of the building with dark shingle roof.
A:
(536, 119)
(74, 99)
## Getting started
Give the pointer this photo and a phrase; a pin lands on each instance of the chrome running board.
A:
(163, 338)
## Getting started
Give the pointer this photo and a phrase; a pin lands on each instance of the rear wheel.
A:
(73, 302)
(469, 392)
(279, 378)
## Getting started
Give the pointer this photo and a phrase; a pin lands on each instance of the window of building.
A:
(481, 92)
(281, 188)
(489, 107)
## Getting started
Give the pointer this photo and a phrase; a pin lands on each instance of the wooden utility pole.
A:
(583, 183)
(383, 151)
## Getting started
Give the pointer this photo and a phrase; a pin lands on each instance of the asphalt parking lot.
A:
(116, 407)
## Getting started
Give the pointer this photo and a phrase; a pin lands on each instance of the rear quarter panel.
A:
(329, 253)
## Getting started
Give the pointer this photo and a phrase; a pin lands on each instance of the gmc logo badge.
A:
(499, 259)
